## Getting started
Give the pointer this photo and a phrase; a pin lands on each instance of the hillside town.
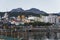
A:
(23, 19)
(29, 19)
(15, 27)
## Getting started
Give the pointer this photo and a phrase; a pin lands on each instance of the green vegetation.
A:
(22, 13)
(38, 24)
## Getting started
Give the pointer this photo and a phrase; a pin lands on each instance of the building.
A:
(45, 19)
(52, 18)
(18, 18)
(5, 16)
(58, 20)
(34, 18)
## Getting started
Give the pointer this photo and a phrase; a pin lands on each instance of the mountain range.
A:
(32, 10)
(17, 10)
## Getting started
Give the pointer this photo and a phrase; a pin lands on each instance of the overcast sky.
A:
(48, 6)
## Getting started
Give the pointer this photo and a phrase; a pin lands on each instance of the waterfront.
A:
(31, 34)
(29, 28)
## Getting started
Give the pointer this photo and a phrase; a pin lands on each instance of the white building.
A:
(58, 20)
(45, 19)
(41, 19)
(5, 16)
(52, 18)
(35, 18)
